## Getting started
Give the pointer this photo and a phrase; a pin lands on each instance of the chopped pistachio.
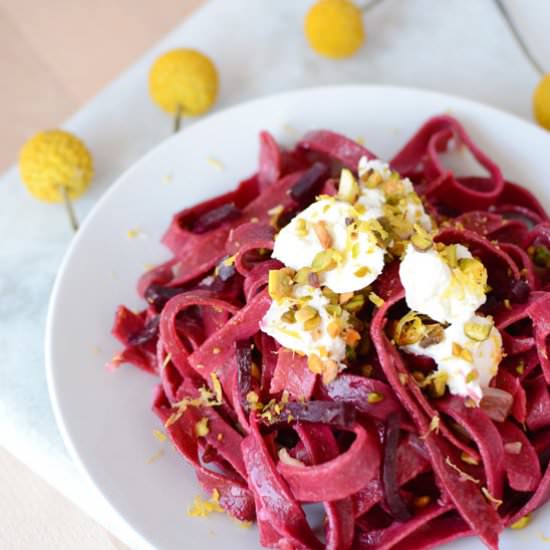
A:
(433, 334)
(301, 276)
(449, 253)
(345, 297)
(314, 364)
(330, 371)
(352, 337)
(324, 261)
(322, 234)
(334, 329)
(438, 384)
(347, 188)
(289, 316)
(312, 323)
(477, 331)
(305, 313)
(355, 304)
(334, 309)
(374, 179)
(408, 330)
(280, 283)
(541, 256)
(375, 299)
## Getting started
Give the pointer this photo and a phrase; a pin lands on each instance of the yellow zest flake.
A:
(375, 299)
(362, 271)
(469, 459)
(322, 234)
(462, 353)
(167, 360)
(507, 304)
(218, 164)
(521, 522)
(301, 227)
(463, 475)
(201, 508)
(360, 140)
(201, 427)
(403, 378)
(132, 233)
(161, 436)
(217, 387)
(243, 524)
(253, 400)
(216, 351)
(422, 501)
(275, 214)
(520, 368)
(230, 260)
(472, 376)
(496, 502)
(155, 457)
(434, 426)
(374, 397)
(543, 537)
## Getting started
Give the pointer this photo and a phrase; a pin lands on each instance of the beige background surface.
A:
(55, 55)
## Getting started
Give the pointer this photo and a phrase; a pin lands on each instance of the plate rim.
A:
(49, 335)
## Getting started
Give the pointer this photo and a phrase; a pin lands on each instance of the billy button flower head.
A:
(334, 28)
(183, 82)
(56, 166)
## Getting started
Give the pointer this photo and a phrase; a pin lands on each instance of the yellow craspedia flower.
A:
(184, 78)
(334, 28)
(54, 159)
(541, 102)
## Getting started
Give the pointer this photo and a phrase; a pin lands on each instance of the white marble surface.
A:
(458, 46)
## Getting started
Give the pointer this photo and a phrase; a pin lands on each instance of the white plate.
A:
(105, 417)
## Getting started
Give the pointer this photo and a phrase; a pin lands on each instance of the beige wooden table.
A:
(54, 56)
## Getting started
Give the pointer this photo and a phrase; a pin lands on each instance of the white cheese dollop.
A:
(431, 287)
(294, 336)
(360, 260)
(465, 377)
(374, 199)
